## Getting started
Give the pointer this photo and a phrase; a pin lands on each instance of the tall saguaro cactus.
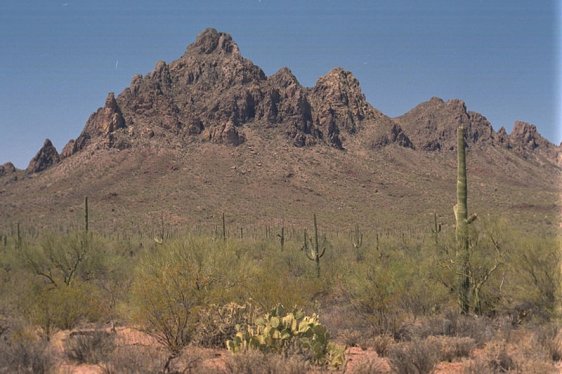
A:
(462, 220)
(86, 220)
(315, 253)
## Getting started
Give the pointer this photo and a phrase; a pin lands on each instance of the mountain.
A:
(211, 133)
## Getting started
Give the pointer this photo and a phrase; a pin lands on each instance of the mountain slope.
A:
(211, 133)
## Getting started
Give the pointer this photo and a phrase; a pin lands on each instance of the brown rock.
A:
(7, 169)
(227, 134)
(338, 95)
(45, 158)
(107, 119)
(210, 40)
(69, 149)
(432, 125)
(502, 136)
(526, 141)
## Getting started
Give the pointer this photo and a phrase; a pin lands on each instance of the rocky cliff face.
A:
(45, 158)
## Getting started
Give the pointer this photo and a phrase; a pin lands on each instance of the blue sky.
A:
(59, 59)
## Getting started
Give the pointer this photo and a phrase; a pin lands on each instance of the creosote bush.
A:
(89, 347)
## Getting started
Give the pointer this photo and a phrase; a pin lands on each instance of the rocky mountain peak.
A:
(107, 119)
(111, 103)
(432, 125)
(436, 100)
(526, 141)
(212, 41)
(45, 158)
(338, 94)
(284, 78)
(7, 169)
(340, 87)
(524, 134)
(457, 105)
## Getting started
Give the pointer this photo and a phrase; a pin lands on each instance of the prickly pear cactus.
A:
(280, 331)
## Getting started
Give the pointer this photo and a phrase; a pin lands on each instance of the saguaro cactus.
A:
(436, 230)
(304, 247)
(462, 221)
(281, 236)
(18, 237)
(86, 221)
(223, 228)
(357, 237)
(315, 253)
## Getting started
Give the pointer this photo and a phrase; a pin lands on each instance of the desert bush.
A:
(89, 347)
(452, 324)
(63, 279)
(352, 338)
(62, 307)
(381, 344)
(135, 360)
(392, 285)
(25, 354)
(218, 323)
(551, 340)
(371, 366)
(451, 348)
(415, 357)
(496, 359)
(259, 362)
(533, 280)
(170, 285)
(269, 277)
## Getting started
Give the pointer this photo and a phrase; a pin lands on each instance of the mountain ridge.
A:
(211, 127)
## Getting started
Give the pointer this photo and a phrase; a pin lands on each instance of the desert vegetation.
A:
(396, 295)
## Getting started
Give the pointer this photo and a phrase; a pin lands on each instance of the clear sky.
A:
(60, 58)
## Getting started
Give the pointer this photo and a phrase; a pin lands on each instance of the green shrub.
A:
(63, 307)
(168, 287)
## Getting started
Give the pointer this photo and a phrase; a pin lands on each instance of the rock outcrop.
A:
(432, 125)
(7, 169)
(526, 141)
(44, 159)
